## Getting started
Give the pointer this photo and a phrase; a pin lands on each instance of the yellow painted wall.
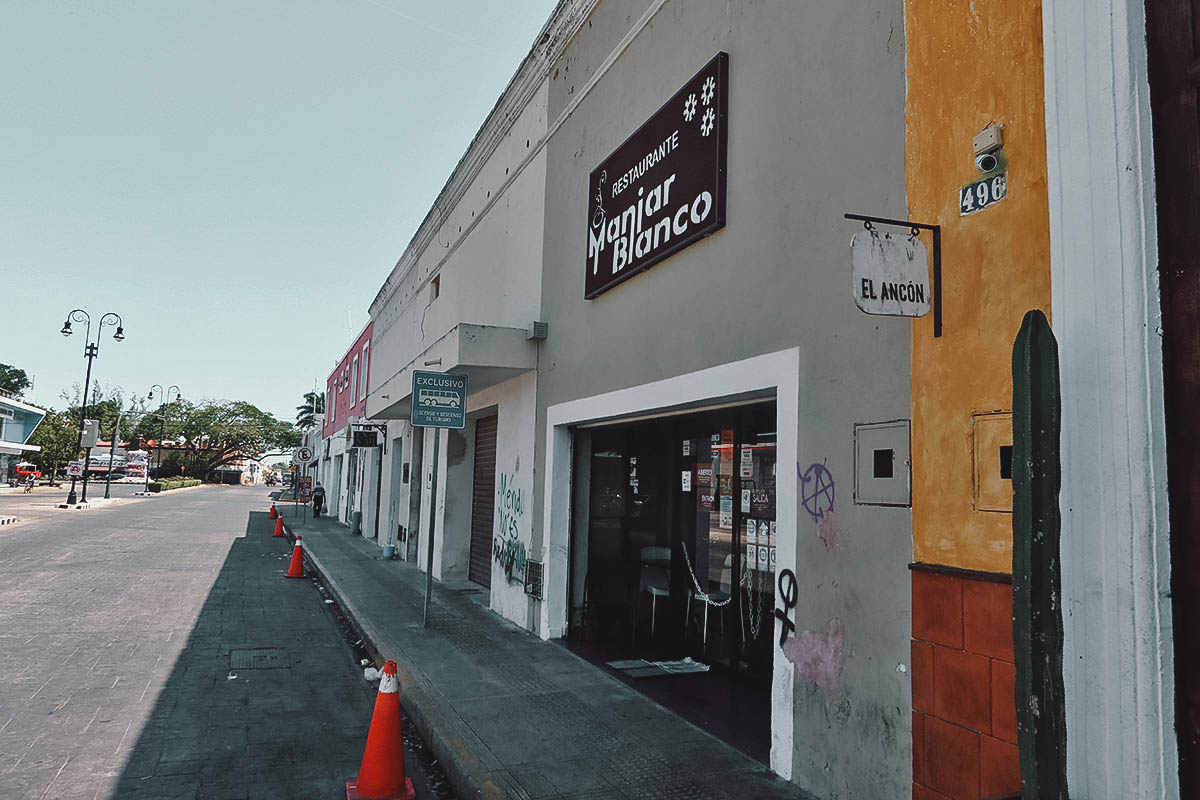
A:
(972, 63)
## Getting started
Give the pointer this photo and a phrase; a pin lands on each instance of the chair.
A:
(720, 596)
(655, 579)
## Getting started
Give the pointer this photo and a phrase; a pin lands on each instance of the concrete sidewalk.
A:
(511, 716)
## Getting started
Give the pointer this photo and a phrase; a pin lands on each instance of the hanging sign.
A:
(664, 188)
(364, 438)
(890, 274)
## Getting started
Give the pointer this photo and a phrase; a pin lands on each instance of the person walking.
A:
(318, 500)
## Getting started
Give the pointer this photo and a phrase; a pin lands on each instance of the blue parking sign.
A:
(439, 400)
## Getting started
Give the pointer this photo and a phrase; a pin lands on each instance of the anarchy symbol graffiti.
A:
(817, 491)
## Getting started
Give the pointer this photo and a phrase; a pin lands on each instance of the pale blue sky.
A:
(235, 178)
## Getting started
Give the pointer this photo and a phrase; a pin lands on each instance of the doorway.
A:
(1173, 36)
(674, 586)
(483, 500)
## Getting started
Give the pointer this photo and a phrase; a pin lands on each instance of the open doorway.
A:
(673, 587)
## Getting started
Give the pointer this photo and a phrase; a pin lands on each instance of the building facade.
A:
(18, 420)
(342, 468)
(684, 441)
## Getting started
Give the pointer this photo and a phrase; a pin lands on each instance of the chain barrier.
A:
(703, 595)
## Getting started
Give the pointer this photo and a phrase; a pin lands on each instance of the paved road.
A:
(118, 628)
(42, 503)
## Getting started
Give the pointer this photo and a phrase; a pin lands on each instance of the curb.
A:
(468, 776)
(172, 491)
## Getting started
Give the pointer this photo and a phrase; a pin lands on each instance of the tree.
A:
(13, 379)
(314, 403)
(105, 404)
(57, 435)
(213, 433)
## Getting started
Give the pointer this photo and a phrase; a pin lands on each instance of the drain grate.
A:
(259, 658)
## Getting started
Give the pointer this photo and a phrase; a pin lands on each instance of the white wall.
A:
(515, 402)
(488, 256)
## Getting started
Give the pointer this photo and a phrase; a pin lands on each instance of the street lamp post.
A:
(161, 417)
(90, 351)
(112, 450)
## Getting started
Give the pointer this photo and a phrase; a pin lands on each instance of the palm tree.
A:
(314, 403)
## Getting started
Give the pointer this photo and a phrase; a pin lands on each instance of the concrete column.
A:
(1106, 314)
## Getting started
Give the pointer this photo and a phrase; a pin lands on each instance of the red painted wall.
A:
(964, 713)
(338, 391)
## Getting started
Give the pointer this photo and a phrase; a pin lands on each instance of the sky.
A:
(234, 178)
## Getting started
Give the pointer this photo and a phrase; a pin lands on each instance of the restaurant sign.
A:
(664, 188)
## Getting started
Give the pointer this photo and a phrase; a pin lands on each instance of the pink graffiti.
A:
(828, 531)
(819, 656)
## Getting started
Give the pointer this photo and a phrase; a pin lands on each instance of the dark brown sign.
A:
(664, 188)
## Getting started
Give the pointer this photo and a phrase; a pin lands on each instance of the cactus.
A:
(1037, 576)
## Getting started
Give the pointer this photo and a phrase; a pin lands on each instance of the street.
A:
(152, 648)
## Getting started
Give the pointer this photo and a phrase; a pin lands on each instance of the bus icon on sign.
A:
(438, 398)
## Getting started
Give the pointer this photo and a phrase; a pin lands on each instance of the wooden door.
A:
(1173, 39)
(483, 501)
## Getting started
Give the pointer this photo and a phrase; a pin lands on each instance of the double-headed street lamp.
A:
(162, 422)
(90, 351)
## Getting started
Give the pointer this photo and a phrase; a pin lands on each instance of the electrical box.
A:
(991, 444)
(91, 433)
(987, 140)
(882, 464)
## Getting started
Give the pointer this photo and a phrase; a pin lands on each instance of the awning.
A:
(486, 354)
(12, 448)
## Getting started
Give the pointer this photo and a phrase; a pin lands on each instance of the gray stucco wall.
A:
(816, 129)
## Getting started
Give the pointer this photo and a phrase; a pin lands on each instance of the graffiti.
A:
(828, 531)
(819, 656)
(816, 490)
(788, 593)
(510, 554)
(507, 548)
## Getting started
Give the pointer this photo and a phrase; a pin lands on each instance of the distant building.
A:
(18, 420)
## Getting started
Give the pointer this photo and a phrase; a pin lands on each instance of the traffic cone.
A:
(296, 567)
(381, 775)
(274, 514)
(278, 527)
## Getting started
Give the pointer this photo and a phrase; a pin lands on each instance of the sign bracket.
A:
(937, 257)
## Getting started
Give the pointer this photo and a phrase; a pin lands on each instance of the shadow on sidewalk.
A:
(263, 700)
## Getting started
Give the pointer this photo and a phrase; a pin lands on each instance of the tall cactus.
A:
(1037, 570)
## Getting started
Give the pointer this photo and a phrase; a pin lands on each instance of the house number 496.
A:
(982, 193)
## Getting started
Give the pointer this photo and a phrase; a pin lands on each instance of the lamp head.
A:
(120, 334)
(66, 328)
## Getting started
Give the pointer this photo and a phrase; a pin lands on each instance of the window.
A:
(362, 388)
(354, 381)
(435, 287)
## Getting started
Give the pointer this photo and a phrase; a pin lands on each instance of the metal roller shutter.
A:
(483, 491)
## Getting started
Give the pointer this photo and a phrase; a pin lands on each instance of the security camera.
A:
(987, 162)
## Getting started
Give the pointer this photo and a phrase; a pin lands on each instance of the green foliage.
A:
(314, 403)
(107, 404)
(13, 379)
(167, 484)
(57, 435)
(210, 434)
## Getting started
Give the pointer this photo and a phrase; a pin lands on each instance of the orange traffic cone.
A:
(278, 527)
(296, 567)
(381, 775)
(274, 514)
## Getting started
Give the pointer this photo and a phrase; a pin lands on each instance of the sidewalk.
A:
(511, 716)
